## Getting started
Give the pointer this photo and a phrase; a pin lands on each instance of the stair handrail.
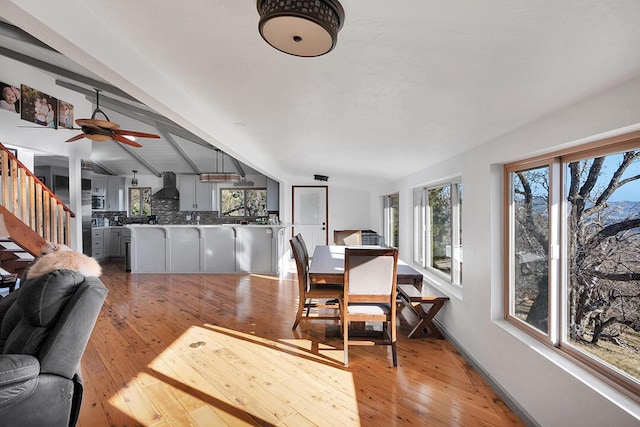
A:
(29, 199)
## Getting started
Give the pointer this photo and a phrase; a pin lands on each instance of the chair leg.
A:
(394, 354)
(301, 305)
(345, 337)
(344, 322)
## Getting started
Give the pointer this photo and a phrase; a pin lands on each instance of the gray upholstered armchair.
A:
(44, 329)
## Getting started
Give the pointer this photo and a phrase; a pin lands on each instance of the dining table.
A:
(327, 266)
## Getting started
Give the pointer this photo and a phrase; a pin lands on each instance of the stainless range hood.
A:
(169, 189)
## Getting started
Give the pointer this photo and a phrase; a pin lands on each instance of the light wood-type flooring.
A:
(216, 350)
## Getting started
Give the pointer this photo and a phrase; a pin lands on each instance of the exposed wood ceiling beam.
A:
(63, 72)
(136, 156)
(238, 166)
(15, 33)
(137, 113)
(179, 149)
(103, 167)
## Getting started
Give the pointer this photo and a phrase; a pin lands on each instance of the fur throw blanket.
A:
(61, 257)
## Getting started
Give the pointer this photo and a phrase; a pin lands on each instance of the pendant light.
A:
(134, 181)
(301, 27)
(219, 176)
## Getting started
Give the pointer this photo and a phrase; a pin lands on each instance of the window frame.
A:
(141, 189)
(244, 190)
(391, 238)
(422, 229)
(558, 302)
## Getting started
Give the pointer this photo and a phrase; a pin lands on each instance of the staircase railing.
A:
(31, 201)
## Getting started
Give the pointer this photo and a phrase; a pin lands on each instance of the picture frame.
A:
(65, 115)
(10, 99)
(38, 107)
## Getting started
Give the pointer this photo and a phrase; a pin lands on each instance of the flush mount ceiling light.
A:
(219, 176)
(301, 27)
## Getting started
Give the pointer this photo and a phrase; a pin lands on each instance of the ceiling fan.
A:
(105, 130)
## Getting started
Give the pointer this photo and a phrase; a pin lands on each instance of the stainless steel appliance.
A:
(98, 202)
(86, 203)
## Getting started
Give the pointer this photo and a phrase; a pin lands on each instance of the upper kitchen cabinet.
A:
(115, 193)
(112, 188)
(99, 186)
(195, 195)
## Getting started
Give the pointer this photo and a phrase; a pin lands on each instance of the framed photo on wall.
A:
(38, 107)
(10, 100)
(65, 115)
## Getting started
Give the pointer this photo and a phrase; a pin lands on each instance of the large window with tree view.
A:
(243, 202)
(573, 254)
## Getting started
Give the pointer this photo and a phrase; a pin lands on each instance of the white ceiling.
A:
(409, 84)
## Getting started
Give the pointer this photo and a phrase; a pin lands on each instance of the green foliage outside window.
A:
(139, 201)
(243, 202)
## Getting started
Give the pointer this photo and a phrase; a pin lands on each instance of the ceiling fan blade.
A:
(135, 133)
(124, 140)
(75, 138)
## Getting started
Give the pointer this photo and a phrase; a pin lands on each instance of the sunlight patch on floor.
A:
(226, 374)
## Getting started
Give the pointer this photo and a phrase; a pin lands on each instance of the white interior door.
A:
(310, 214)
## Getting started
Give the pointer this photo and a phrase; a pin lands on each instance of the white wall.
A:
(37, 139)
(553, 391)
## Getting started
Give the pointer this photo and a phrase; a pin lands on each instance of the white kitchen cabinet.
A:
(195, 195)
(99, 186)
(114, 239)
(97, 244)
(115, 194)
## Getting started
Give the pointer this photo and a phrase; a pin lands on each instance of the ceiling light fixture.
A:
(219, 176)
(134, 181)
(301, 27)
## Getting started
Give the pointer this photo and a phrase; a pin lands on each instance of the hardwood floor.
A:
(215, 350)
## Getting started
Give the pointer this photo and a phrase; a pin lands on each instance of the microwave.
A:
(97, 202)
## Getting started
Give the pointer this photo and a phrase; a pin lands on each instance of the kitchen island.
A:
(207, 248)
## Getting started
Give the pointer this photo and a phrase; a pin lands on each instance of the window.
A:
(573, 254)
(139, 201)
(438, 230)
(391, 220)
(243, 202)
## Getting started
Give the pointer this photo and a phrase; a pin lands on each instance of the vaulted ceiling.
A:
(409, 84)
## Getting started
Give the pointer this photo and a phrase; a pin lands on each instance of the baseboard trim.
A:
(495, 386)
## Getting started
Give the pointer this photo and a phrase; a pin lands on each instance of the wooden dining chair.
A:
(303, 245)
(313, 295)
(347, 237)
(370, 296)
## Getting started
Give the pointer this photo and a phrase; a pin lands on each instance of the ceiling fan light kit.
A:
(301, 27)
